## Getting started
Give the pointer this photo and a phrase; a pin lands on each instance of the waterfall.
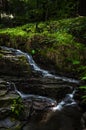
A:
(36, 68)
(47, 102)
(45, 73)
(67, 101)
(38, 102)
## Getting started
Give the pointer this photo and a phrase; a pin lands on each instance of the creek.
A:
(50, 109)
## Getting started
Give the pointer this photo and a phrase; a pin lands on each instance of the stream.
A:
(62, 114)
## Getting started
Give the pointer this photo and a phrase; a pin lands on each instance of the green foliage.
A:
(83, 69)
(84, 91)
(83, 77)
(33, 52)
(17, 107)
(53, 40)
(63, 37)
(75, 62)
(83, 87)
(13, 31)
(39, 10)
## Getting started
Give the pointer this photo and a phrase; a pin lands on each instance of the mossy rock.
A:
(13, 65)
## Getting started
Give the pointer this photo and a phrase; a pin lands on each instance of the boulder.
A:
(12, 64)
(6, 99)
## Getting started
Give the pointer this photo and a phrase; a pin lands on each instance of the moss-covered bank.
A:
(58, 45)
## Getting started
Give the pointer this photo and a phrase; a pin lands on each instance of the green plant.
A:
(84, 90)
(33, 52)
(17, 107)
(76, 62)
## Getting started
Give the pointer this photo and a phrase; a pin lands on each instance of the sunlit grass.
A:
(13, 31)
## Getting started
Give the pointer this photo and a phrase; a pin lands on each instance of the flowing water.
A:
(51, 104)
(68, 98)
(35, 67)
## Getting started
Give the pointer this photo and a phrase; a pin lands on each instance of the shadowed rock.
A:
(67, 119)
(13, 65)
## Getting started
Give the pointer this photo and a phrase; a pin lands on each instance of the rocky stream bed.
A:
(33, 99)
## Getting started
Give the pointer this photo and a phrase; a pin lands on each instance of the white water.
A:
(36, 68)
(45, 73)
(67, 101)
(39, 102)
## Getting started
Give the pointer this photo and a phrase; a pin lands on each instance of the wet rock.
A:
(45, 87)
(11, 64)
(10, 123)
(84, 116)
(9, 103)
(34, 112)
(67, 119)
(36, 118)
(6, 99)
(83, 121)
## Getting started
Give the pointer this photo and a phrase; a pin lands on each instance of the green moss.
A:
(13, 31)
(62, 42)
(1, 55)
(63, 29)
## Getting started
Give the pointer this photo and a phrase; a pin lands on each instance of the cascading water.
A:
(45, 73)
(68, 100)
(64, 112)
(39, 102)
(46, 102)
(36, 68)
